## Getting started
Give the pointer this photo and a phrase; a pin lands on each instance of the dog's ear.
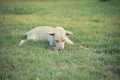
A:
(51, 33)
(68, 32)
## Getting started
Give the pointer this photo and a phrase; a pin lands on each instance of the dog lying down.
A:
(56, 37)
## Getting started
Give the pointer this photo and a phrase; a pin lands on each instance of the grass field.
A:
(96, 27)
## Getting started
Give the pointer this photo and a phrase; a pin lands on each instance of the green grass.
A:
(95, 24)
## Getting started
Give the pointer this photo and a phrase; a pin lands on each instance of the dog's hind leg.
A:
(68, 41)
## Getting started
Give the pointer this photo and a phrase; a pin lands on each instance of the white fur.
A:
(55, 36)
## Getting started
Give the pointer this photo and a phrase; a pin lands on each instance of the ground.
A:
(95, 54)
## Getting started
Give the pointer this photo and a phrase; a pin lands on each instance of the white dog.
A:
(56, 37)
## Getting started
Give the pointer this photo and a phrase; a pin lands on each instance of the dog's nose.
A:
(60, 49)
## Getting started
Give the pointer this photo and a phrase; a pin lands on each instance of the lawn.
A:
(95, 54)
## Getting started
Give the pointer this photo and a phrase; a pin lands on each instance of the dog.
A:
(56, 37)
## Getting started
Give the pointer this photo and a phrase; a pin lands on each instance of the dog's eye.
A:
(56, 40)
(63, 40)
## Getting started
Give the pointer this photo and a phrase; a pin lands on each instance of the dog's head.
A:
(59, 35)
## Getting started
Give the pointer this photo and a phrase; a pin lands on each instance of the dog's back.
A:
(39, 33)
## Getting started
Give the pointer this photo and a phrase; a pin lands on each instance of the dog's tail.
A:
(24, 40)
